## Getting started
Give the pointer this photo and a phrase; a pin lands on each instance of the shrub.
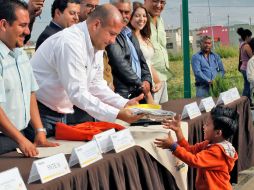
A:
(175, 57)
(219, 85)
(232, 78)
(227, 51)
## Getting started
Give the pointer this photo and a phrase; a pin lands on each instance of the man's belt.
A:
(201, 84)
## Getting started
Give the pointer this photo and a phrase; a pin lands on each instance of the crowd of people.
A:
(64, 80)
(86, 43)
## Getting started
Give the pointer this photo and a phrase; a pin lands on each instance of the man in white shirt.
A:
(68, 68)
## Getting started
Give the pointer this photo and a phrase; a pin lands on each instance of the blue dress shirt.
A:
(134, 55)
(206, 69)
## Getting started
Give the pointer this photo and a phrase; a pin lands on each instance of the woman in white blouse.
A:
(140, 25)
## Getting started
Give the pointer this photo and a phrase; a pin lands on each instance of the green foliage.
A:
(219, 85)
(227, 51)
(232, 78)
(178, 56)
(175, 57)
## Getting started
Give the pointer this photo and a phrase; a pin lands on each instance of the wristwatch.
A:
(41, 130)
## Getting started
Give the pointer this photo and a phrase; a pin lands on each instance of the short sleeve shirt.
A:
(16, 84)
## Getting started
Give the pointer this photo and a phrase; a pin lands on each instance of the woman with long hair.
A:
(140, 25)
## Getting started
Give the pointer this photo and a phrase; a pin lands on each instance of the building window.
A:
(170, 46)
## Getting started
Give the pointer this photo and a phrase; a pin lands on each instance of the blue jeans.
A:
(202, 91)
(246, 87)
(49, 118)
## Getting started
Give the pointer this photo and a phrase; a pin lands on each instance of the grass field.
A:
(233, 77)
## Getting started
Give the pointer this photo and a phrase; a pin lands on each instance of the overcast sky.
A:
(222, 12)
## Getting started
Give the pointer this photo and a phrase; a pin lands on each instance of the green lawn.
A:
(175, 85)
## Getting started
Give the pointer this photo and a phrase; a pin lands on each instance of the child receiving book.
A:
(214, 158)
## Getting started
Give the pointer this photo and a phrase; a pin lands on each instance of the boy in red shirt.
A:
(214, 158)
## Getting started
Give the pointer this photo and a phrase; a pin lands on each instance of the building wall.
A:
(220, 34)
(174, 41)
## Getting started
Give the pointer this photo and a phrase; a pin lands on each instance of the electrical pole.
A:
(210, 19)
(228, 21)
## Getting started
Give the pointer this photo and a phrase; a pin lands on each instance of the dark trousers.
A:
(246, 87)
(7, 144)
(49, 119)
(79, 116)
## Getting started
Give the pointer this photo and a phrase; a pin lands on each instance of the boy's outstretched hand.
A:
(164, 143)
(174, 124)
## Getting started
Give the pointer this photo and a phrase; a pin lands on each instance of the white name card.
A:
(104, 141)
(122, 140)
(191, 110)
(234, 93)
(11, 180)
(224, 98)
(206, 104)
(49, 168)
(85, 154)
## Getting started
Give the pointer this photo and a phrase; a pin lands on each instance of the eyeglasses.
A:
(159, 2)
(89, 6)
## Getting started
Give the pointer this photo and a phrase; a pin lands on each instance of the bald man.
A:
(69, 70)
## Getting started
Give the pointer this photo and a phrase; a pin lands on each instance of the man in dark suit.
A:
(131, 75)
(64, 13)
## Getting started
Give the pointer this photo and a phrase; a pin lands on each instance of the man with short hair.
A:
(206, 65)
(86, 7)
(17, 84)
(158, 39)
(69, 71)
(131, 75)
(65, 13)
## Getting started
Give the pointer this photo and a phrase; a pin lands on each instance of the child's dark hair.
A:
(225, 119)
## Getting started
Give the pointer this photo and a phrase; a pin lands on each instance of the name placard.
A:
(191, 110)
(206, 104)
(49, 168)
(11, 180)
(122, 140)
(85, 154)
(104, 141)
(224, 98)
(234, 93)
